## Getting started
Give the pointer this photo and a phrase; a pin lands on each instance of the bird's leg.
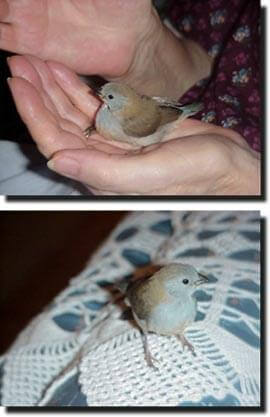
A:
(87, 132)
(149, 358)
(185, 342)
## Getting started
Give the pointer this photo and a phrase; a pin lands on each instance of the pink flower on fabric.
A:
(216, 36)
(254, 97)
(249, 130)
(222, 76)
(252, 132)
(254, 111)
(241, 58)
(192, 94)
(202, 24)
(227, 111)
(211, 104)
(233, 91)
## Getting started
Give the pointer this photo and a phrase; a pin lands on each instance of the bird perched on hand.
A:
(139, 120)
(164, 303)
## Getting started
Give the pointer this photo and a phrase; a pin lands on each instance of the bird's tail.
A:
(191, 109)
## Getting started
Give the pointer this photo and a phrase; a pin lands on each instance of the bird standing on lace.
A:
(136, 119)
(164, 303)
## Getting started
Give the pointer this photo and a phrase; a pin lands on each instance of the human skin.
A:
(117, 39)
(201, 158)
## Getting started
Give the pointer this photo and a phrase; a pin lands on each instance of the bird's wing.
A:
(139, 128)
(139, 304)
(145, 121)
(170, 110)
(169, 114)
(182, 108)
(168, 102)
(144, 296)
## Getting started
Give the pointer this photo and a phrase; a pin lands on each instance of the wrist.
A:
(164, 64)
(243, 173)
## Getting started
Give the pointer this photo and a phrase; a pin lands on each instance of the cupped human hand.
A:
(201, 158)
(91, 37)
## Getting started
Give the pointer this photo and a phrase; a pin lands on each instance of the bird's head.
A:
(117, 96)
(181, 279)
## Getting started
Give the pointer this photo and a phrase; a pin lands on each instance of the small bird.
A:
(164, 303)
(136, 119)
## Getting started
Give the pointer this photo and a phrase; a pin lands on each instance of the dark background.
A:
(11, 126)
(39, 253)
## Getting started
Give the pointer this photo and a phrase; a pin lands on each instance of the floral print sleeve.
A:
(229, 30)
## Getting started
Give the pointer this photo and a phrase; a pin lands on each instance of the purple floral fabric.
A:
(229, 30)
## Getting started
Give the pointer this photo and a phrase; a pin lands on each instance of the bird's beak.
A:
(203, 279)
(98, 92)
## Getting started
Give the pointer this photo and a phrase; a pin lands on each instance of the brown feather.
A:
(138, 295)
(149, 118)
(169, 115)
(143, 118)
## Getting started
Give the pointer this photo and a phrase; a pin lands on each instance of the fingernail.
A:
(8, 79)
(65, 166)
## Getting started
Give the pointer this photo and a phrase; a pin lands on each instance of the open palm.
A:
(56, 107)
(91, 37)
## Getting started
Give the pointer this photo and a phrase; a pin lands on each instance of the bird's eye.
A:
(110, 96)
(185, 281)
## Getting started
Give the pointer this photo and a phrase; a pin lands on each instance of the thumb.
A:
(97, 169)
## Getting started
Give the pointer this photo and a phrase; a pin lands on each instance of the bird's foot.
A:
(185, 342)
(150, 360)
(148, 357)
(87, 132)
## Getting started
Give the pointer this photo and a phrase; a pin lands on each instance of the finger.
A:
(111, 172)
(77, 91)
(41, 122)
(121, 146)
(68, 126)
(20, 66)
(106, 147)
(61, 101)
